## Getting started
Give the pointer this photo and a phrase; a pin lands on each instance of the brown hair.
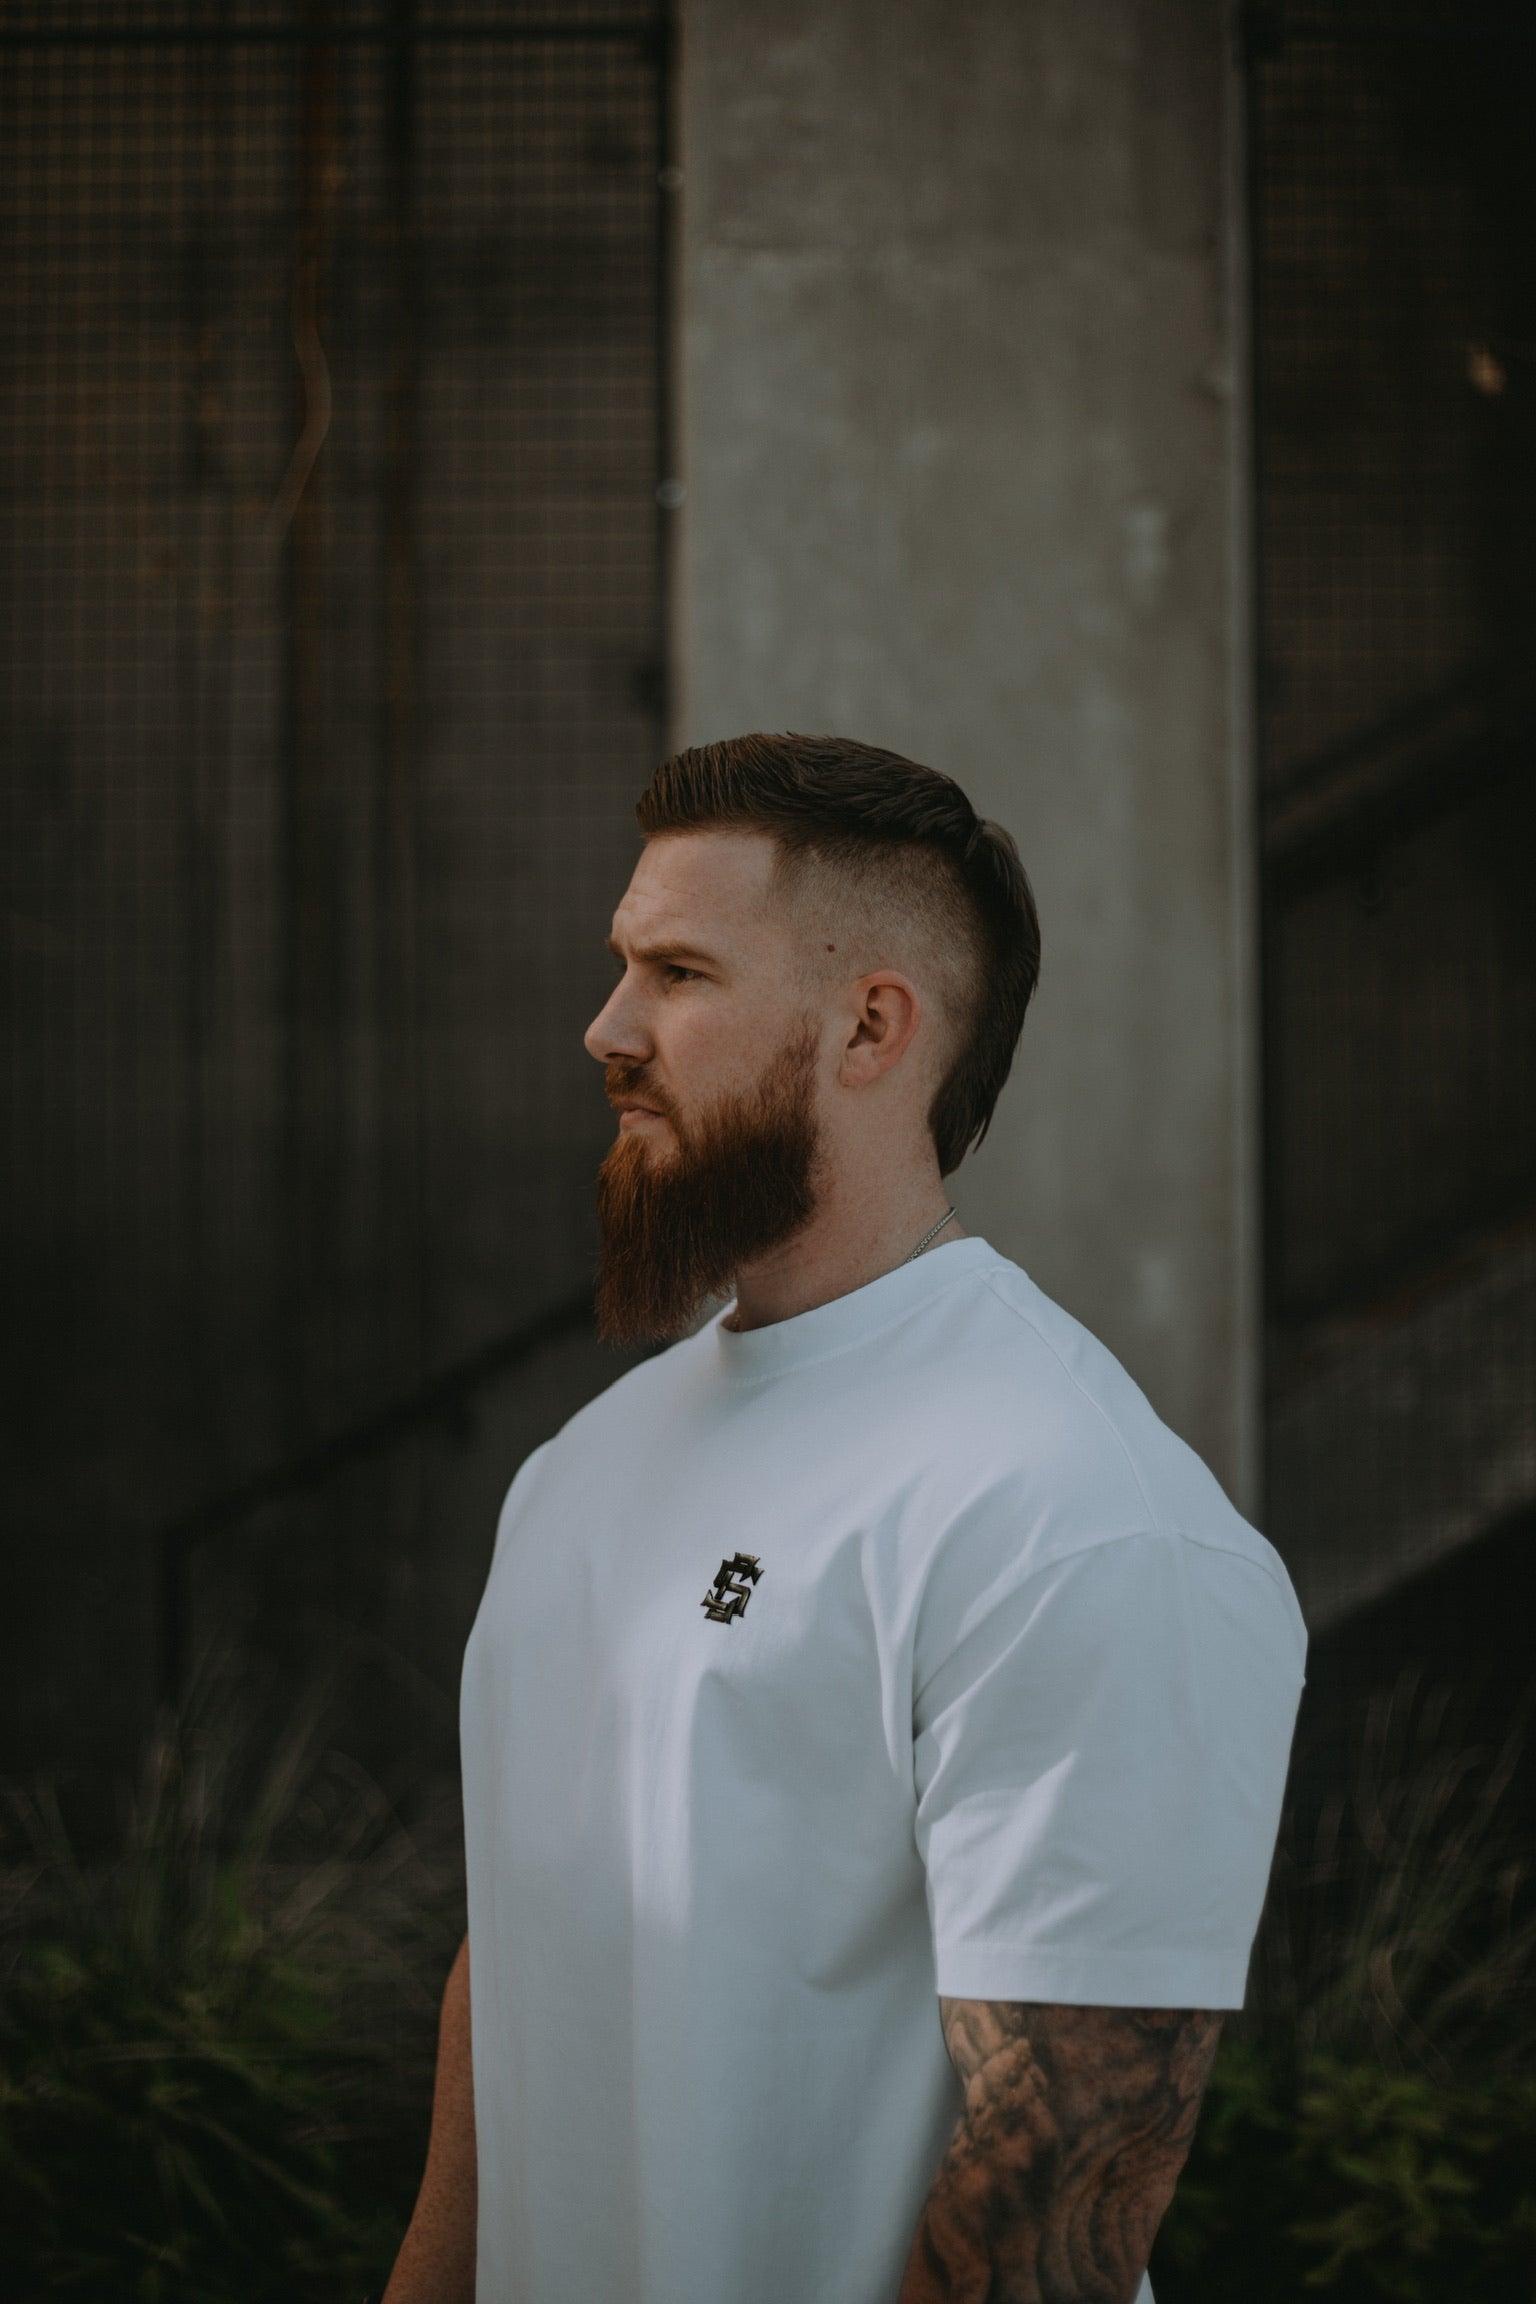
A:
(872, 814)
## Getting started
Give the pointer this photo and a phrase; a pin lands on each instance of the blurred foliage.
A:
(216, 2045)
(1370, 2128)
(1355, 2182)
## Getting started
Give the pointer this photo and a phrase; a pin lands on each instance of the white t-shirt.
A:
(889, 1651)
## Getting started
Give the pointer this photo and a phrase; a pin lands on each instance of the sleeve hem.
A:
(1090, 1979)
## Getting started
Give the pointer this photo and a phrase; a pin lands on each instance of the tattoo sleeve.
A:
(1075, 2125)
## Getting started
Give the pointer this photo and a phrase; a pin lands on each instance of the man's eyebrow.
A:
(664, 951)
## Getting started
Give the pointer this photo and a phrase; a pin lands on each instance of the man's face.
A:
(710, 1049)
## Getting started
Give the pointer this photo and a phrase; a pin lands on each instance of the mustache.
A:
(632, 1083)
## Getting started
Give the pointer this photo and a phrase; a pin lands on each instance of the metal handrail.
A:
(438, 1400)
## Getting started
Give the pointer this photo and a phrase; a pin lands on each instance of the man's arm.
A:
(436, 2263)
(1075, 2125)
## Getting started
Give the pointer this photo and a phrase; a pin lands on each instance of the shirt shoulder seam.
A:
(1069, 1556)
(1281, 1582)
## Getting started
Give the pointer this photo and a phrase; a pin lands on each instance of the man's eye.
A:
(677, 975)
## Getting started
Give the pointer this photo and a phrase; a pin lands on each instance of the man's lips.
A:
(632, 1114)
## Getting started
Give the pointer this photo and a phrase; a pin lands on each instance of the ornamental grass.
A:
(216, 2041)
(1370, 2128)
(216, 2038)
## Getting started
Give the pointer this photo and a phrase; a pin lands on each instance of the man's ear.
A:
(886, 1012)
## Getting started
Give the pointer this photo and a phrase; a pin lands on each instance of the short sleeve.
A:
(1100, 1751)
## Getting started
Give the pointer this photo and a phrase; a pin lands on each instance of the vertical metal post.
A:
(669, 185)
(312, 884)
(1260, 34)
(401, 641)
(203, 576)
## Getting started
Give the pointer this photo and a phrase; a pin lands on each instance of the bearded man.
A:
(876, 1721)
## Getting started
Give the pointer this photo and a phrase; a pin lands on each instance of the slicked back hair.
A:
(884, 822)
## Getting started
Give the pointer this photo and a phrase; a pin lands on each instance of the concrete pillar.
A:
(960, 431)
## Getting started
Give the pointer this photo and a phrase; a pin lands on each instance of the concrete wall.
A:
(959, 424)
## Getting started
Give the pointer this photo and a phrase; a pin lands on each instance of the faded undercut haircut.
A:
(896, 834)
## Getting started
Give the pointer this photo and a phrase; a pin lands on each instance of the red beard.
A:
(742, 1180)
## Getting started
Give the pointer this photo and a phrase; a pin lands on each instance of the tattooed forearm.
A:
(1075, 2125)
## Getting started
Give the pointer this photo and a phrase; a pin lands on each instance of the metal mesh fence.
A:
(1393, 205)
(331, 424)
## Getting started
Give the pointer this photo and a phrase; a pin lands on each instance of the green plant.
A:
(215, 2047)
(1370, 2128)
(1356, 2182)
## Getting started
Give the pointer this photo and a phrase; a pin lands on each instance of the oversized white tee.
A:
(893, 1650)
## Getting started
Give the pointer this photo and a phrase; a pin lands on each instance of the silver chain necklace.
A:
(929, 1236)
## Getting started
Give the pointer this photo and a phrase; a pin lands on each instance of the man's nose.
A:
(616, 1033)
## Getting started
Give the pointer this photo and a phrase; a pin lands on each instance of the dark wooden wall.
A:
(1393, 213)
(332, 662)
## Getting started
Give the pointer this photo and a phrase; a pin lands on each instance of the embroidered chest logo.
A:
(732, 1589)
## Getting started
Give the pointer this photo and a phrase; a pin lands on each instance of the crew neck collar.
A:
(846, 1320)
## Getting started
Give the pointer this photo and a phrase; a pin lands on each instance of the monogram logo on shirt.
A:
(728, 1596)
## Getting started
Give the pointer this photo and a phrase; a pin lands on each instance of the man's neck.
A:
(850, 1241)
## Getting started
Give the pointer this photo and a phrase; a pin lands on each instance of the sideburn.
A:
(741, 1182)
